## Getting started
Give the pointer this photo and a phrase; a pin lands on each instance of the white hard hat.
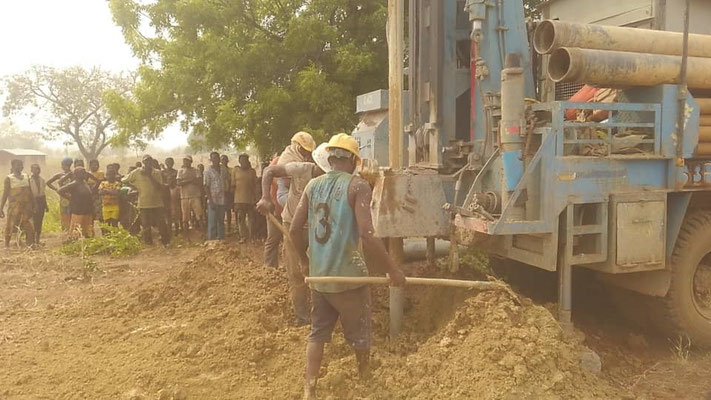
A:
(320, 156)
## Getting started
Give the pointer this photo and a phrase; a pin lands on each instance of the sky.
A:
(63, 33)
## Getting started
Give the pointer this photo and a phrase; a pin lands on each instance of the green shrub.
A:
(475, 259)
(116, 242)
(471, 259)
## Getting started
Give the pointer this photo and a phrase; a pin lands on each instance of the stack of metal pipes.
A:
(611, 56)
(619, 57)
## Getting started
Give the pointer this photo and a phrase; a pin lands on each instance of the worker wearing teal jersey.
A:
(336, 207)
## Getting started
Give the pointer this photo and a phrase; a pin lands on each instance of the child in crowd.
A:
(109, 191)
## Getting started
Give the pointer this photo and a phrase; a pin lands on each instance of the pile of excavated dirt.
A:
(492, 348)
(220, 326)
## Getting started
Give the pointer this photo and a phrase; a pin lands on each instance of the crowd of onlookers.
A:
(198, 202)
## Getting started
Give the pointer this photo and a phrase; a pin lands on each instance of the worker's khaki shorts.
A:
(352, 307)
(194, 204)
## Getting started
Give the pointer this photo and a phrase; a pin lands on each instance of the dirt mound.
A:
(220, 326)
(240, 327)
(492, 348)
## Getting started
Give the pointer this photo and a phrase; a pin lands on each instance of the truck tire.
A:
(686, 308)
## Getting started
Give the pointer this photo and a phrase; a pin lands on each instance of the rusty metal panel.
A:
(406, 204)
(641, 231)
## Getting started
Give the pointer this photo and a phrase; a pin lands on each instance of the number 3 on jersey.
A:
(323, 227)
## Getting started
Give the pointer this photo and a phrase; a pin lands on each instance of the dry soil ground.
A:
(208, 322)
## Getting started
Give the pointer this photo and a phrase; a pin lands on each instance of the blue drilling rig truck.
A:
(558, 143)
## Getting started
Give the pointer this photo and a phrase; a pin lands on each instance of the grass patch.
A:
(115, 242)
(681, 348)
(52, 222)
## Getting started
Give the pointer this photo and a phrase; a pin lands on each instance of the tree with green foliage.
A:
(530, 7)
(71, 100)
(249, 71)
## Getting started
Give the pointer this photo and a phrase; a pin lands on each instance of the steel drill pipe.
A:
(374, 280)
(622, 69)
(704, 105)
(552, 35)
(704, 149)
(705, 134)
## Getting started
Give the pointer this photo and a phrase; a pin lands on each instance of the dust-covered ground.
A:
(209, 322)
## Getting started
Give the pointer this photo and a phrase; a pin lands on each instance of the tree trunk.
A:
(88, 155)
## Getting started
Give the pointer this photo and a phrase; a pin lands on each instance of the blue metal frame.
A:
(563, 181)
(504, 31)
(559, 174)
(560, 124)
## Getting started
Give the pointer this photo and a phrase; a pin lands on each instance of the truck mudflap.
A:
(650, 283)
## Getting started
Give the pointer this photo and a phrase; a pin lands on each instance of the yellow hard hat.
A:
(304, 140)
(345, 142)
